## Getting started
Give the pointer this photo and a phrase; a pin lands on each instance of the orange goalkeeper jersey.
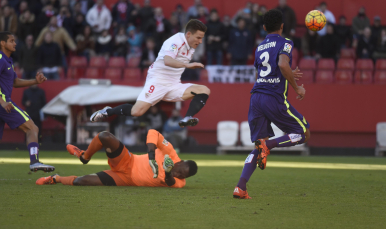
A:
(141, 172)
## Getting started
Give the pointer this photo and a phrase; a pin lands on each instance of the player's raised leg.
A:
(199, 95)
(32, 131)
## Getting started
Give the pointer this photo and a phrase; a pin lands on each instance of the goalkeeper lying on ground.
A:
(128, 169)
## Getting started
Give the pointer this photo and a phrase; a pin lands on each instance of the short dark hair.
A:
(193, 25)
(273, 20)
(192, 167)
(323, 4)
(4, 36)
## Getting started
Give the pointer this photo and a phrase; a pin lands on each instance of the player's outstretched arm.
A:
(40, 78)
(289, 75)
(170, 62)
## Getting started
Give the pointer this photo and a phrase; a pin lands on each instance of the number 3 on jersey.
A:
(265, 56)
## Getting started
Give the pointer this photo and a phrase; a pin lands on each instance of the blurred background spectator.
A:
(103, 44)
(173, 132)
(329, 17)
(27, 58)
(214, 39)
(240, 44)
(376, 27)
(34, 99)
(181, 15)
(343, 32)
(289, 17)
(329, 45)
(149, 54)
(121, 13)
(8, 20)
(85, 43)
(120, 43)
(135, 42)
(310, 42)
(193, 11)
(99, 17)
(26, 25)
(380, 49)
(49, 57)
(360, 22)
(156, 118)
(366, 44)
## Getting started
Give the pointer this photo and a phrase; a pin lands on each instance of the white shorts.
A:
(154, 92)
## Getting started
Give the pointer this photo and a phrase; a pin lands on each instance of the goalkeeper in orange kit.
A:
(127, 169)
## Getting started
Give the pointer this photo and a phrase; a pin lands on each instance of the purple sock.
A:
(249, 167)
(286, 140)
(33, 149)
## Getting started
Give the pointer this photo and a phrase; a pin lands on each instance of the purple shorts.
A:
(264, 109)
(14, 119)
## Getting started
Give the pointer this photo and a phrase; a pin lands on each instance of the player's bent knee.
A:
(204, 90)
(137, 113)
(105, 136)
(78, 181)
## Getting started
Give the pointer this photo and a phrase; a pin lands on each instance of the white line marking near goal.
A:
(212, 163)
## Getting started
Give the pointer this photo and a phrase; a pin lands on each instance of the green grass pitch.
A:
(282, 197)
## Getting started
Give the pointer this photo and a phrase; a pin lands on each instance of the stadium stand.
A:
(324, 77)
(113, 73)
(326, 64)
(94, 73)
(307, 64)
(307, 77)
(363, 77)
(347, 53)
(132, 74)
(343, 77)
(117, 62)
(346, 64)
(380, 77)
(380, 64)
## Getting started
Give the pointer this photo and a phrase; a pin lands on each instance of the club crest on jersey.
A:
(173, 47)
(147, 95)
(287, 48)
(165, 142)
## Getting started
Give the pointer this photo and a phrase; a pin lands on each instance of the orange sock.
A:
(65, 180)
(94, 146)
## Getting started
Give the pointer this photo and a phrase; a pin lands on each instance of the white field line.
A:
(212, 163)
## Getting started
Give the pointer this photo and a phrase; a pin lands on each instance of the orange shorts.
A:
(121, 167)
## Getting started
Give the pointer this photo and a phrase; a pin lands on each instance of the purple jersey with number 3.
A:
(270, 80)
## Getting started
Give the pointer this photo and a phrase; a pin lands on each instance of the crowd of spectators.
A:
(51, 30)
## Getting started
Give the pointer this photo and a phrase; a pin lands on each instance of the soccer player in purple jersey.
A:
(10, 113)
(268, 101)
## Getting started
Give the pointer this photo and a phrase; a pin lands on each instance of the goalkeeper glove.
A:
(153, 163)
(168, 164)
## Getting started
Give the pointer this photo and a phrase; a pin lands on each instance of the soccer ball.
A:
(315, 20)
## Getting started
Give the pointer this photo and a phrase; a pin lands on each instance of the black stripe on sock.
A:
(117, 152)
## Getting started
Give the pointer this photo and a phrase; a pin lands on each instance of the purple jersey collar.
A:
(8, 59)
(272, 35)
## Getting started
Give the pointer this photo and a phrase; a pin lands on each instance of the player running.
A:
(127, 169)
(10, 113)
(163, 80)
(268, 101)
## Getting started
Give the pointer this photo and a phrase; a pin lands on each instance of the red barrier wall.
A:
(349, 8)
(339, 115)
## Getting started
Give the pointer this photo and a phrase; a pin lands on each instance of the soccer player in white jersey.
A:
(163, 80)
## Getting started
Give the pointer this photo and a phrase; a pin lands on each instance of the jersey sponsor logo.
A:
(173, 47)
(9, 68)
(274, 80)
(249, 158)
(34, 151)
(165, 142)
(1, 56)
(295, 137)
(287, 48)
(267, 45)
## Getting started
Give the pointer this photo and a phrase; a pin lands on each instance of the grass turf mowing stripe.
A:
(214, 163)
